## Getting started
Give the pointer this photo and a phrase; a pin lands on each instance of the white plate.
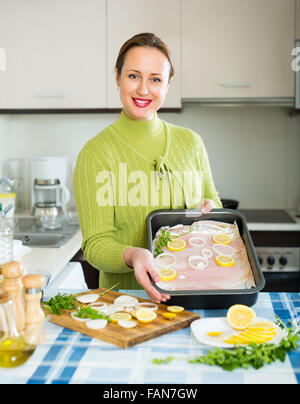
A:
(201, 327)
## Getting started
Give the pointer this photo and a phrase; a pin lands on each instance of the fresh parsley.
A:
(163, 239)
(67, 302)
(163, 361)
(252, 355)
(90, 313)
(60, 302)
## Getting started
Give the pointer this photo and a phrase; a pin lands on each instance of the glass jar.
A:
(7, 195)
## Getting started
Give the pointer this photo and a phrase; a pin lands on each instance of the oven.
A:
(276, 237)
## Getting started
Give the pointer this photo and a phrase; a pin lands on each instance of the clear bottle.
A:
(14, 348)
(6, 240)
(16, 172)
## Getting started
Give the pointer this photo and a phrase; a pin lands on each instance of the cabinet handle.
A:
(49, 95)
(236, 84)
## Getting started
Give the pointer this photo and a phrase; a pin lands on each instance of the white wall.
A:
(254, 151)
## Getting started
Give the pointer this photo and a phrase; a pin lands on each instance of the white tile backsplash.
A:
(253, 151)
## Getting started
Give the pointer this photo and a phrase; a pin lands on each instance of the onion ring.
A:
(221, 249)
(207, 253)
(201, 265)
(194, 244)
(160, 256)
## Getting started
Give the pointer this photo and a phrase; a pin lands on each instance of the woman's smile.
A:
(141, 103)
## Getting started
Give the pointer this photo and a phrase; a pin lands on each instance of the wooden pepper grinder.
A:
(34, 315)
(12, 284)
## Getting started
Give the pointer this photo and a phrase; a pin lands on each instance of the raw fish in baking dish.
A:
(205, 255)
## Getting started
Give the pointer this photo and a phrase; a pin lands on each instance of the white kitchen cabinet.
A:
(55, 54)
(126, 18)
(237, 48)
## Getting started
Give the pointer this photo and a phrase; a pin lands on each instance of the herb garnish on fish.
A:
(163, 239)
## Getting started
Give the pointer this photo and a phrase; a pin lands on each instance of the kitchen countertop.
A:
(52, 260)
(278, 226)
(71, 357)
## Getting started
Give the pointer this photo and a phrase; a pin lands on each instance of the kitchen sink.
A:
(31, 232)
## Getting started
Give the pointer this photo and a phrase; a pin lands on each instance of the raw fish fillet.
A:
(213, 276)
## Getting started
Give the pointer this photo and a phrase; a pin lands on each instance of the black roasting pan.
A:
(209, 299)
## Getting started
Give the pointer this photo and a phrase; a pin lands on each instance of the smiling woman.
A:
(138, 164)
(143, 90)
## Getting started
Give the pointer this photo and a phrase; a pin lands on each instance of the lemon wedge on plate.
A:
(214, 333)
(240, 316)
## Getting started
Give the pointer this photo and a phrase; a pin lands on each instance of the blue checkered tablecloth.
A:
(71, 357)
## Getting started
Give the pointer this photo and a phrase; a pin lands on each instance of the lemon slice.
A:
(222, 238)
(145, 316)
(225, 260)
(175, 309)
(214, 333)
(240, 317)
(177, 244)
(169, 316)
(264, 326)
(115, 317)
(233, 340)
(167, 274)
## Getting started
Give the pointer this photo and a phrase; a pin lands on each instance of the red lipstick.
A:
(141, 102)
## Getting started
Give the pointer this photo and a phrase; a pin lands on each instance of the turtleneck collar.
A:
(132, 129)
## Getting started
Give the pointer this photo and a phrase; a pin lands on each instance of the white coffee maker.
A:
(49, 193)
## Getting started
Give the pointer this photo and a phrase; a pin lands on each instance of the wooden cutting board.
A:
(124, 337)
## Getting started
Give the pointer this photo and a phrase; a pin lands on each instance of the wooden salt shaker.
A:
(34, 315)
(12, 284)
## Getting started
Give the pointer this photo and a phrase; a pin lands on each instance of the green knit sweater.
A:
(127, 171)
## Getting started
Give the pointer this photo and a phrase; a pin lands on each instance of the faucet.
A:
(7, 181)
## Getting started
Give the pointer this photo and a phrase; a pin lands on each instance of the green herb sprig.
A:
(163, 239)
(60, 302)
(66, 302)
(252, 355)
(163, 361)
(89, 312)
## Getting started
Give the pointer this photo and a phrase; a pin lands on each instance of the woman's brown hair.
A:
(145, 39)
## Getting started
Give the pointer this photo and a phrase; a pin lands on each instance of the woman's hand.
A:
(206, 206)
(141, 261)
